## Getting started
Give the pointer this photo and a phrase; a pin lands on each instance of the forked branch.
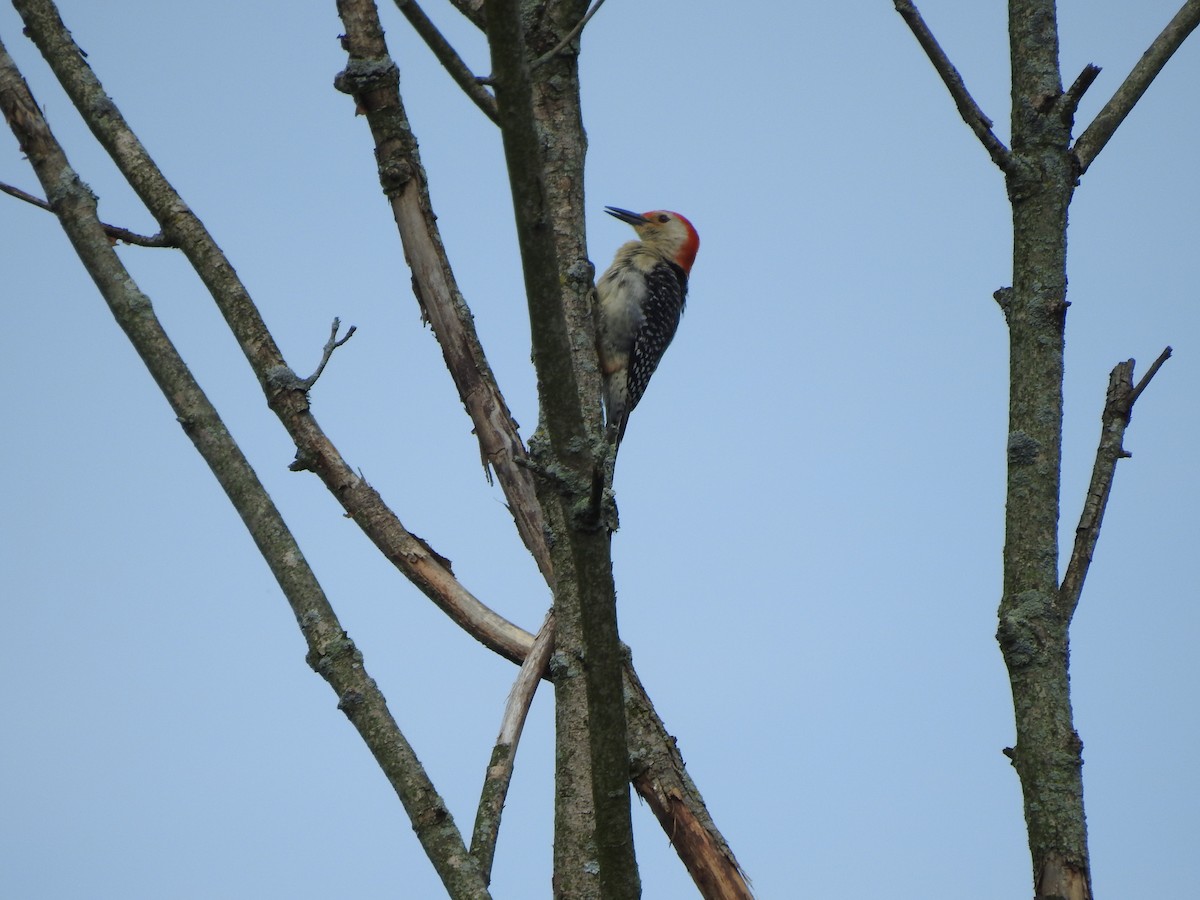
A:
(1118, 407)
(330, 345)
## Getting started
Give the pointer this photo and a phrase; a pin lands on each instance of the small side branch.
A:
(967, 107)
(448, 57)
(571, 35)
(1118, 407)
(504, 755)
(1076, 91)
(330, 345)
(115, 232)
(1093, 139)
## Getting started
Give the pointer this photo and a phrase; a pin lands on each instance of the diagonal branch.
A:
(662, 780)
(665, 784)
(114, 232)
(570, 35)
(967, 107)
(371, 78)
(448, 57)
(1094, 138)
(473, 11)
(503, 761)
(331, 653)
(283, 389)
(1118, 407)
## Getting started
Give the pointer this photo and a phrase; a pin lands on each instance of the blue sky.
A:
(811, 492)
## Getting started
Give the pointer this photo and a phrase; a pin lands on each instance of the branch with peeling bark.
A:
(1118, 407)
(372, 78)
(662, 780)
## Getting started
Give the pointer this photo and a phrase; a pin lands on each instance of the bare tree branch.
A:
(114, 232)
(678, 802)
(662, 780)
(283, 389)
(1033, 638)
(331, 652)
(372, 79)
(592, 751)
(1094, 138)
(967, 107)
(472, 10)
(500, 768)
(448, 57)
(1118, 407)
(330, 345)
(570, 36)
(1078, 88)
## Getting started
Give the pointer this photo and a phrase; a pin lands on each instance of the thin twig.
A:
(503, 761)
(331, 653)
(448, 57)
(1150, 373)
(1118, 407)
(967, 107)
(1094, 138)
(114, 232)
(571, 35)
(330, 345)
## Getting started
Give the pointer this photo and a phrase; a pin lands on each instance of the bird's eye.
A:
(664, 218)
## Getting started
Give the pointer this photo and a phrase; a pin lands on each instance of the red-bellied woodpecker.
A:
(640, 300)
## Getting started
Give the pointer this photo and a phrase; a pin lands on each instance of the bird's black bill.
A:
(626, 216)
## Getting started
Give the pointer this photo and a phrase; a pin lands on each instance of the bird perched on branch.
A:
(640, 299)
